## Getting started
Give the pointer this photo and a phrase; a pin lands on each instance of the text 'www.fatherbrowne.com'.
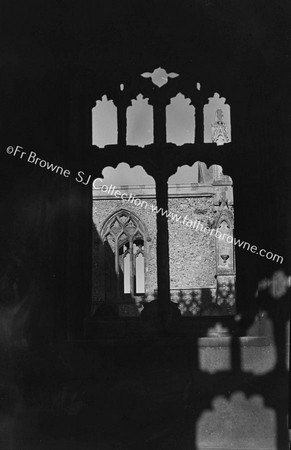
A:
(186, 221)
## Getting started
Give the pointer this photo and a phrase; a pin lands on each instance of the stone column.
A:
(199, 118)
(163, 266)
(122, 105)
(160, 121)
(79, 218)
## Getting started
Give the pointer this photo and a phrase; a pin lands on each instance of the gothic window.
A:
(126, 236)
(124, 264)
(139, 266)
(180, 121)
(139, 122)
(104, 123)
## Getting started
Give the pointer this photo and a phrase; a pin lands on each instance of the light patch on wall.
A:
(229, 419)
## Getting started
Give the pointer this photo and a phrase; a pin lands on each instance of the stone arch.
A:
(128, 191)
(130, 216)
(123, 175)
(128, 238)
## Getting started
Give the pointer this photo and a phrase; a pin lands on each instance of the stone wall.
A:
(193, 253)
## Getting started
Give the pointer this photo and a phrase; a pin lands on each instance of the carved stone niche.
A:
(224, 245)
(225, 270)
(219, 129)
(217, 126)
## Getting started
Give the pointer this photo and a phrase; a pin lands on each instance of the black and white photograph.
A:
(145, 225)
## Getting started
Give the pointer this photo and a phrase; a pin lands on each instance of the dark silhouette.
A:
(75, 380)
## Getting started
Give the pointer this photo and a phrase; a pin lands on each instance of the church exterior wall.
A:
(193, 253)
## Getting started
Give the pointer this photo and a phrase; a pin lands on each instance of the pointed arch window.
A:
(139, 266)
(127, 238)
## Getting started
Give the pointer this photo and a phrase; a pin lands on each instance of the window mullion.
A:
(131, 266)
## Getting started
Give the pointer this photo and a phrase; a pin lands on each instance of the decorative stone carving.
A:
(217, 126)
(219, 129)
(122, 224)
(225, 290)
(159, 76)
